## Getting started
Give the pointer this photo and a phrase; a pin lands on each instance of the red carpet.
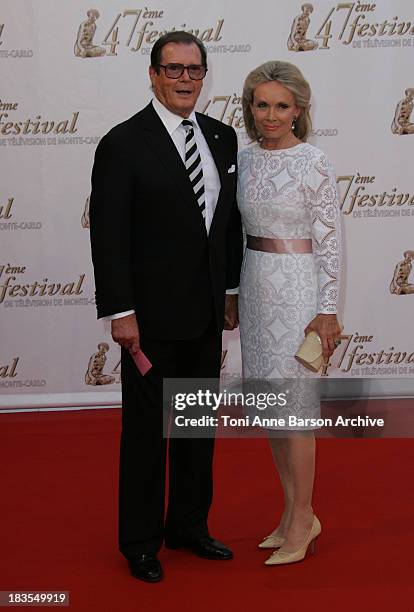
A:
(58, 524)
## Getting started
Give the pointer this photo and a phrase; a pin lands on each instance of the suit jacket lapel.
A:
(214, 144)
(158, 139)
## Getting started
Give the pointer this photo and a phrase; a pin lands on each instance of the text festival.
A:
(36, 125)
(146, 35)
(354, 353)
(13, 290)
(360, 197)
(357, 24)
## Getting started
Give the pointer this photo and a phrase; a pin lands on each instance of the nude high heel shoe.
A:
(271, 541)
(282, 558)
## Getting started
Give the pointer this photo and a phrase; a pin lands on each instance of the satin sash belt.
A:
(279, 245)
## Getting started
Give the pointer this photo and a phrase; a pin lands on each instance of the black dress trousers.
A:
(142, 525)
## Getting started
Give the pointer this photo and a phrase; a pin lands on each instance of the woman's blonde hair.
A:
(291, 77)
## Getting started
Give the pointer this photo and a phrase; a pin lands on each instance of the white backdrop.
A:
(55, 105)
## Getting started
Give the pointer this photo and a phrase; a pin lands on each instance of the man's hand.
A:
(231, 312)
(126, 333)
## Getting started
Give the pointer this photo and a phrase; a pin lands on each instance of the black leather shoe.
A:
(146, 567)
(204, 547)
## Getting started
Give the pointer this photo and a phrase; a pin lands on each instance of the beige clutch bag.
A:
(310, 352)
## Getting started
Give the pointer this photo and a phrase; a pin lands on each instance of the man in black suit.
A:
(166, 244)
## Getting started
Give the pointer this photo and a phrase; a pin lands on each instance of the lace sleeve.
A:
(323, 202)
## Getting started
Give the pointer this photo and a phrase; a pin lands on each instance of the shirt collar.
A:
(170, 120)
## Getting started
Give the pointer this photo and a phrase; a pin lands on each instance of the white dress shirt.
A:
(174, 127)
(172, 124)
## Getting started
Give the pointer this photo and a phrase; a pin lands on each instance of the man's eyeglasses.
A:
(196, 72)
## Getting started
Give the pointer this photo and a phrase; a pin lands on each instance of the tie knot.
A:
(187, 124)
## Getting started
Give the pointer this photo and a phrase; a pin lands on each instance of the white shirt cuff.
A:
(234, 291)
(118, 315)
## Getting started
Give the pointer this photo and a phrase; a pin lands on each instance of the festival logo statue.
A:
(400, 284)
(401, 123)
(297, 40)
(85, 216)
(84, 46)
(95, 374)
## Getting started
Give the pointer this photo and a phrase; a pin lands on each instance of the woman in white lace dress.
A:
(289, 284)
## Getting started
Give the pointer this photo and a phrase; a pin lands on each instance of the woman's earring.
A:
(294, 123)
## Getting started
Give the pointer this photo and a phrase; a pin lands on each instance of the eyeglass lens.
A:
(195, 71)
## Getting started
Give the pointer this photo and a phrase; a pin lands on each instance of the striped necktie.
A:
(193, 165)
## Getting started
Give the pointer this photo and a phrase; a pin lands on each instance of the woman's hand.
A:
(328, 330)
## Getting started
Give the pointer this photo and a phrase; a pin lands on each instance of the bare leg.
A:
(280, 450)
(300, 458)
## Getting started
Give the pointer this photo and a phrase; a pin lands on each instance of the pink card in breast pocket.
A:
(142, 362)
